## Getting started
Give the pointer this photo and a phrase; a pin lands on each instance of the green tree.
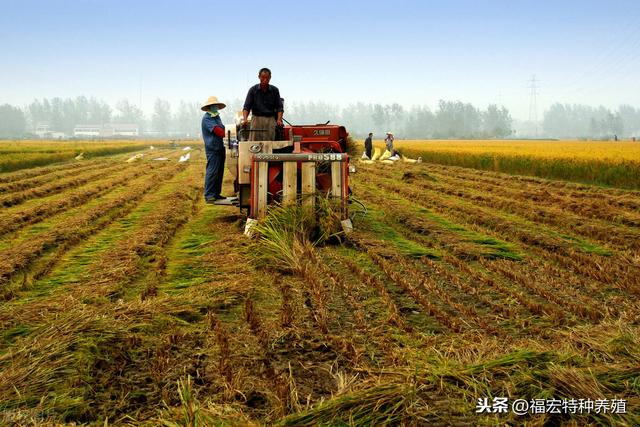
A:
(455, 119)
(630, 117)
(57, 115)
(188, 118)
(161, 119)
(99, 112)
(496, 122)
(12, 121)
(127, 112)
(420, 123)
(380, 118)
(38, 112)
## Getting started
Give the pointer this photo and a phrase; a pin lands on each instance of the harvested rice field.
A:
(463, 297)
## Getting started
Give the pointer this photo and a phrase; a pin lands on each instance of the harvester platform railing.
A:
(290, 194)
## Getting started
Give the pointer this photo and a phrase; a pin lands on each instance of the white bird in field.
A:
(184, 158)
(80, 156)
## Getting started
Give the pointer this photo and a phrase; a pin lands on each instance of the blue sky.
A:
(410, 52)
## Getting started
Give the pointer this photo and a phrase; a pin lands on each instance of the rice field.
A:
(15, 155)
(615, 164)
(128, 301)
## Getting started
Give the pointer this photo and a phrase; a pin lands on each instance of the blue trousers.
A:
(213, 174)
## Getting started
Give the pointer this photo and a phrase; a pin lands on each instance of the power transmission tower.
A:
(533, 101)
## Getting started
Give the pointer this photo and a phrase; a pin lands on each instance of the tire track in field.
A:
(615, 235)
(445, 246)
(268, 345)
(530, 235)
(607, 233)
(489, 296)
(14, 219)
(393, 314)
(552, 292)
(28, 183)
(335, 310)
(540, 308)
(448, 315)
(452, 309)
(621, 198)
(83, 167)
(582, 203)
(60, 185)
(35, 172)
(407, 308)
(448, 245)
(141, 252)
(74, 230)
(433, 285)
(375, 321)
(427, 229)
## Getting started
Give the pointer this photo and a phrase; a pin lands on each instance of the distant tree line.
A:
(582, 121)
(63, 114)
(12, 121)
(451, 119)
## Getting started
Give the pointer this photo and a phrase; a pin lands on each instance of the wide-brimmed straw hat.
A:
(389, 133)
(213, 101)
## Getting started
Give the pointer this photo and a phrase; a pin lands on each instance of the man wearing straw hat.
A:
(213, 136)
(389, 142)
(266, 107)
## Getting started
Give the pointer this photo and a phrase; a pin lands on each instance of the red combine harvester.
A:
(303, 160)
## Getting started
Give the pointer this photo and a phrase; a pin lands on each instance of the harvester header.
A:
(305, 161)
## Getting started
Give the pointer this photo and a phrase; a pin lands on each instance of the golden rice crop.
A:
(16, 155)
(612, 152)
(615, 164)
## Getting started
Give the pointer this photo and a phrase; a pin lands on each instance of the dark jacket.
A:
(263, 103)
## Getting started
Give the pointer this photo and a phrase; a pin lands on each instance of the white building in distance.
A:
(106, 131)
(44, 131)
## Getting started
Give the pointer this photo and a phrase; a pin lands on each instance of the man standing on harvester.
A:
(265, 105)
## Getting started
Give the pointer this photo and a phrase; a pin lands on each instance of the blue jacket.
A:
(212, 142)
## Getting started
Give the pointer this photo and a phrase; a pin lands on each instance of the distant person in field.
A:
(368, 145)
(213, 136)
(389, 142)
(265, 105)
